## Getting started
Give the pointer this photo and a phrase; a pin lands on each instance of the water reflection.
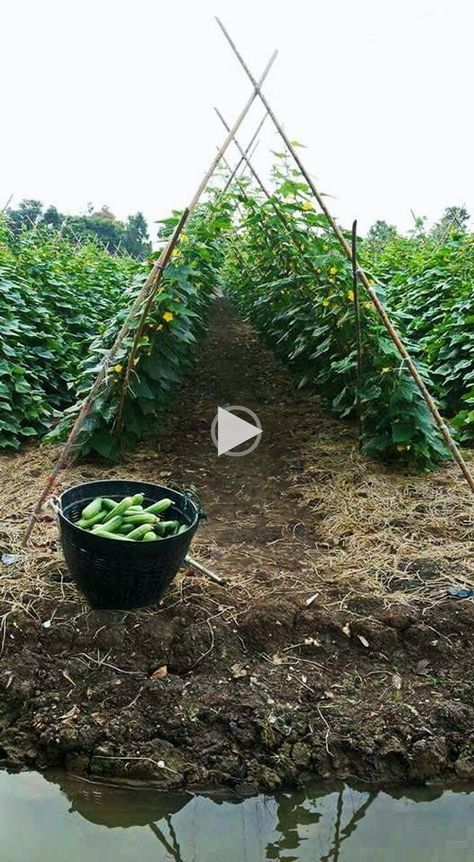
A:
(334, 823)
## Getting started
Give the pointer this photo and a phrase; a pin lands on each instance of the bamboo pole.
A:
(358, 327)
(231, 133)
(163, 261)
(93, 392)
(5, 206)
(141, 298)
(241, 187)
(443, 428)
(247, 152)
(287, 223)
(189, 210)
(254, 173)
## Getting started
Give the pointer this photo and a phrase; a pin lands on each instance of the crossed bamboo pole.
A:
(142, 301)
(288, 225)
(246, 153)
(361, 275)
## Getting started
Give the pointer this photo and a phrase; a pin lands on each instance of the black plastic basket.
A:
(121, 575)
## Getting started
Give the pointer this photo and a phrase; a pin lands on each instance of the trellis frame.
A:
(361, 275)
(142, 304)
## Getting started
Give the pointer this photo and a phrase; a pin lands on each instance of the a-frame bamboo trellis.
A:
(144, 300)
(141, 307)
(361, 275)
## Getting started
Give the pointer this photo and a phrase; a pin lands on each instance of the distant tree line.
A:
(454, 221)
(130, 237)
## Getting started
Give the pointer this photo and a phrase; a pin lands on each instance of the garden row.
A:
(288, 275)
(55, 297)
(280, 263)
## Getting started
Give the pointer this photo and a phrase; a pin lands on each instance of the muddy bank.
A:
(247, 685)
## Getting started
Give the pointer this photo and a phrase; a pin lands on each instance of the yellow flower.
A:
(168, 316)
(118, 368)
(325, 302)
(307, 205)
(385, 370)
(367, 305)
(350, 295)
(333, 270)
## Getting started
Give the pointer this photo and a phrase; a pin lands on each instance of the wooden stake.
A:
(141, 298)
(444, 430)
(358, 326)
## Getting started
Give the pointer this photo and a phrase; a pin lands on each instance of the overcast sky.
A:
(110, 101)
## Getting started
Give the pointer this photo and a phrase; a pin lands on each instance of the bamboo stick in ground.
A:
(443, 428)
(358, 325)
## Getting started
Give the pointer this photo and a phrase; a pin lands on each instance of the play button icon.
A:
(228, 430)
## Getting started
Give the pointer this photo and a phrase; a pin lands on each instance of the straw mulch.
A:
(335, 619)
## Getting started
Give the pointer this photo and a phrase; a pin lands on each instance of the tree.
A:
(136, 239)
(52, 217)
(104, 213)
(454, 220)
(108, 232)
(131, 237)
(381, 233)
(27, 214)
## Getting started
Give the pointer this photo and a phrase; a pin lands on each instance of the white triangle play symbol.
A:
(232, 430)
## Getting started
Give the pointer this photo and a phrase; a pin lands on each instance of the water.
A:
(55, 818)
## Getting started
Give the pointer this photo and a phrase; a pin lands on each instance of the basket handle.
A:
(54, 504)
(195, 498)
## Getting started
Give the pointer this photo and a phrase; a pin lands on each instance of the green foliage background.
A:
(62, 304)
(166, 349)
(294, 284)
(430, 281)
(54, 298)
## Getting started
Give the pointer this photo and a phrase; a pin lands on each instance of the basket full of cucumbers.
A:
(124, 541)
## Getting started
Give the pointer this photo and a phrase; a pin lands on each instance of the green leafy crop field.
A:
(62, 304)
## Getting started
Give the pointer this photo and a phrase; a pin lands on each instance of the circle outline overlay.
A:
(236, 408)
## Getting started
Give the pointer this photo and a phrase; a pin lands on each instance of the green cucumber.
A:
(138, 499)
(140, 518)
(125, 529)
(165, 528)
(111, 527)
(88, 523)
(161, 506)
(182, 529)
(104, 534)
(133, 510)
(92, 509)
(150, 537)
(139, 532)
(108, 504)
(119, 509)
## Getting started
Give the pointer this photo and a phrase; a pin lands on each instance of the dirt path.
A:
(372, 679)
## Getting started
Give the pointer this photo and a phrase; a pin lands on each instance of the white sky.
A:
(110, 101)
